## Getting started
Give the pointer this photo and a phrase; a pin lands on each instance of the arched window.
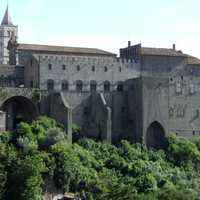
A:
(50, 84)
(93, 86)
(79, 86)
(106, 86)
(105, 69)
(120, 69)
(65, 86)
(120, 87)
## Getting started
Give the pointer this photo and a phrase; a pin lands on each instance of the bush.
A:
(39, 153)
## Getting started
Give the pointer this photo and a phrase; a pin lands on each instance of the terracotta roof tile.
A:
(193, 60)
(63, 49)
(161, 52)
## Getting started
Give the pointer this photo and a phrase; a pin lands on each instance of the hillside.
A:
(38, 155)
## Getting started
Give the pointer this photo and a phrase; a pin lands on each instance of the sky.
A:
(108, 24)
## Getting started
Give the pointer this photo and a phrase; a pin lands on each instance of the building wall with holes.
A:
(184, 102)
(83, 69)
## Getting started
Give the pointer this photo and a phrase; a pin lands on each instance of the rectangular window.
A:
(50, 66)
(64, 67)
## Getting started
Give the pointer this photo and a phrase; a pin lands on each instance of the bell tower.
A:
(7, 30)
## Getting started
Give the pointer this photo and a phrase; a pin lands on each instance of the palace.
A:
(142, 95)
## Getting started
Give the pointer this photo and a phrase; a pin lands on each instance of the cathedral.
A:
(142, 96)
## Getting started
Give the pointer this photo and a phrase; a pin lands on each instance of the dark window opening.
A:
(65, 86)
(106, 86)
(93, 86)
(123, 109)
(78, 68)
(120, 87)
(64, 67)
(50, 84)
(86, 111)
(50, 66)
(93, 68)
(79, 86)
(105, 69)
(120, 69)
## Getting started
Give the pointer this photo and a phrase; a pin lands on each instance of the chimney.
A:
(174, 47)
(129, 43)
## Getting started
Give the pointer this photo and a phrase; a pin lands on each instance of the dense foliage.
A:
(38, 155)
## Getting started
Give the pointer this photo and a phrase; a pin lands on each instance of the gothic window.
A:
(78, 68)
(93, 68)
(106, 86)
(93, 86)
(50, 84)
(65, 86)
(64, 67)
(79, 86)
(50, 66)
(120, 87)
(105, 69)
(178, 88)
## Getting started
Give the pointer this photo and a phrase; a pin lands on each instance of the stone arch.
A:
(17, 109)
(155, 136)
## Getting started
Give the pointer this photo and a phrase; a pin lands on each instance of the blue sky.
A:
(108, 24)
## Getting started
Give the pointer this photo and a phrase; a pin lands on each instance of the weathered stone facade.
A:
(142, 96)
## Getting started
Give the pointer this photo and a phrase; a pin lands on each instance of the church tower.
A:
(7, 29)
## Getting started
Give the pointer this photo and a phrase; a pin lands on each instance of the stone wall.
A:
(155, 103)
(184, 104)
(85, 69)
(160, 64)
